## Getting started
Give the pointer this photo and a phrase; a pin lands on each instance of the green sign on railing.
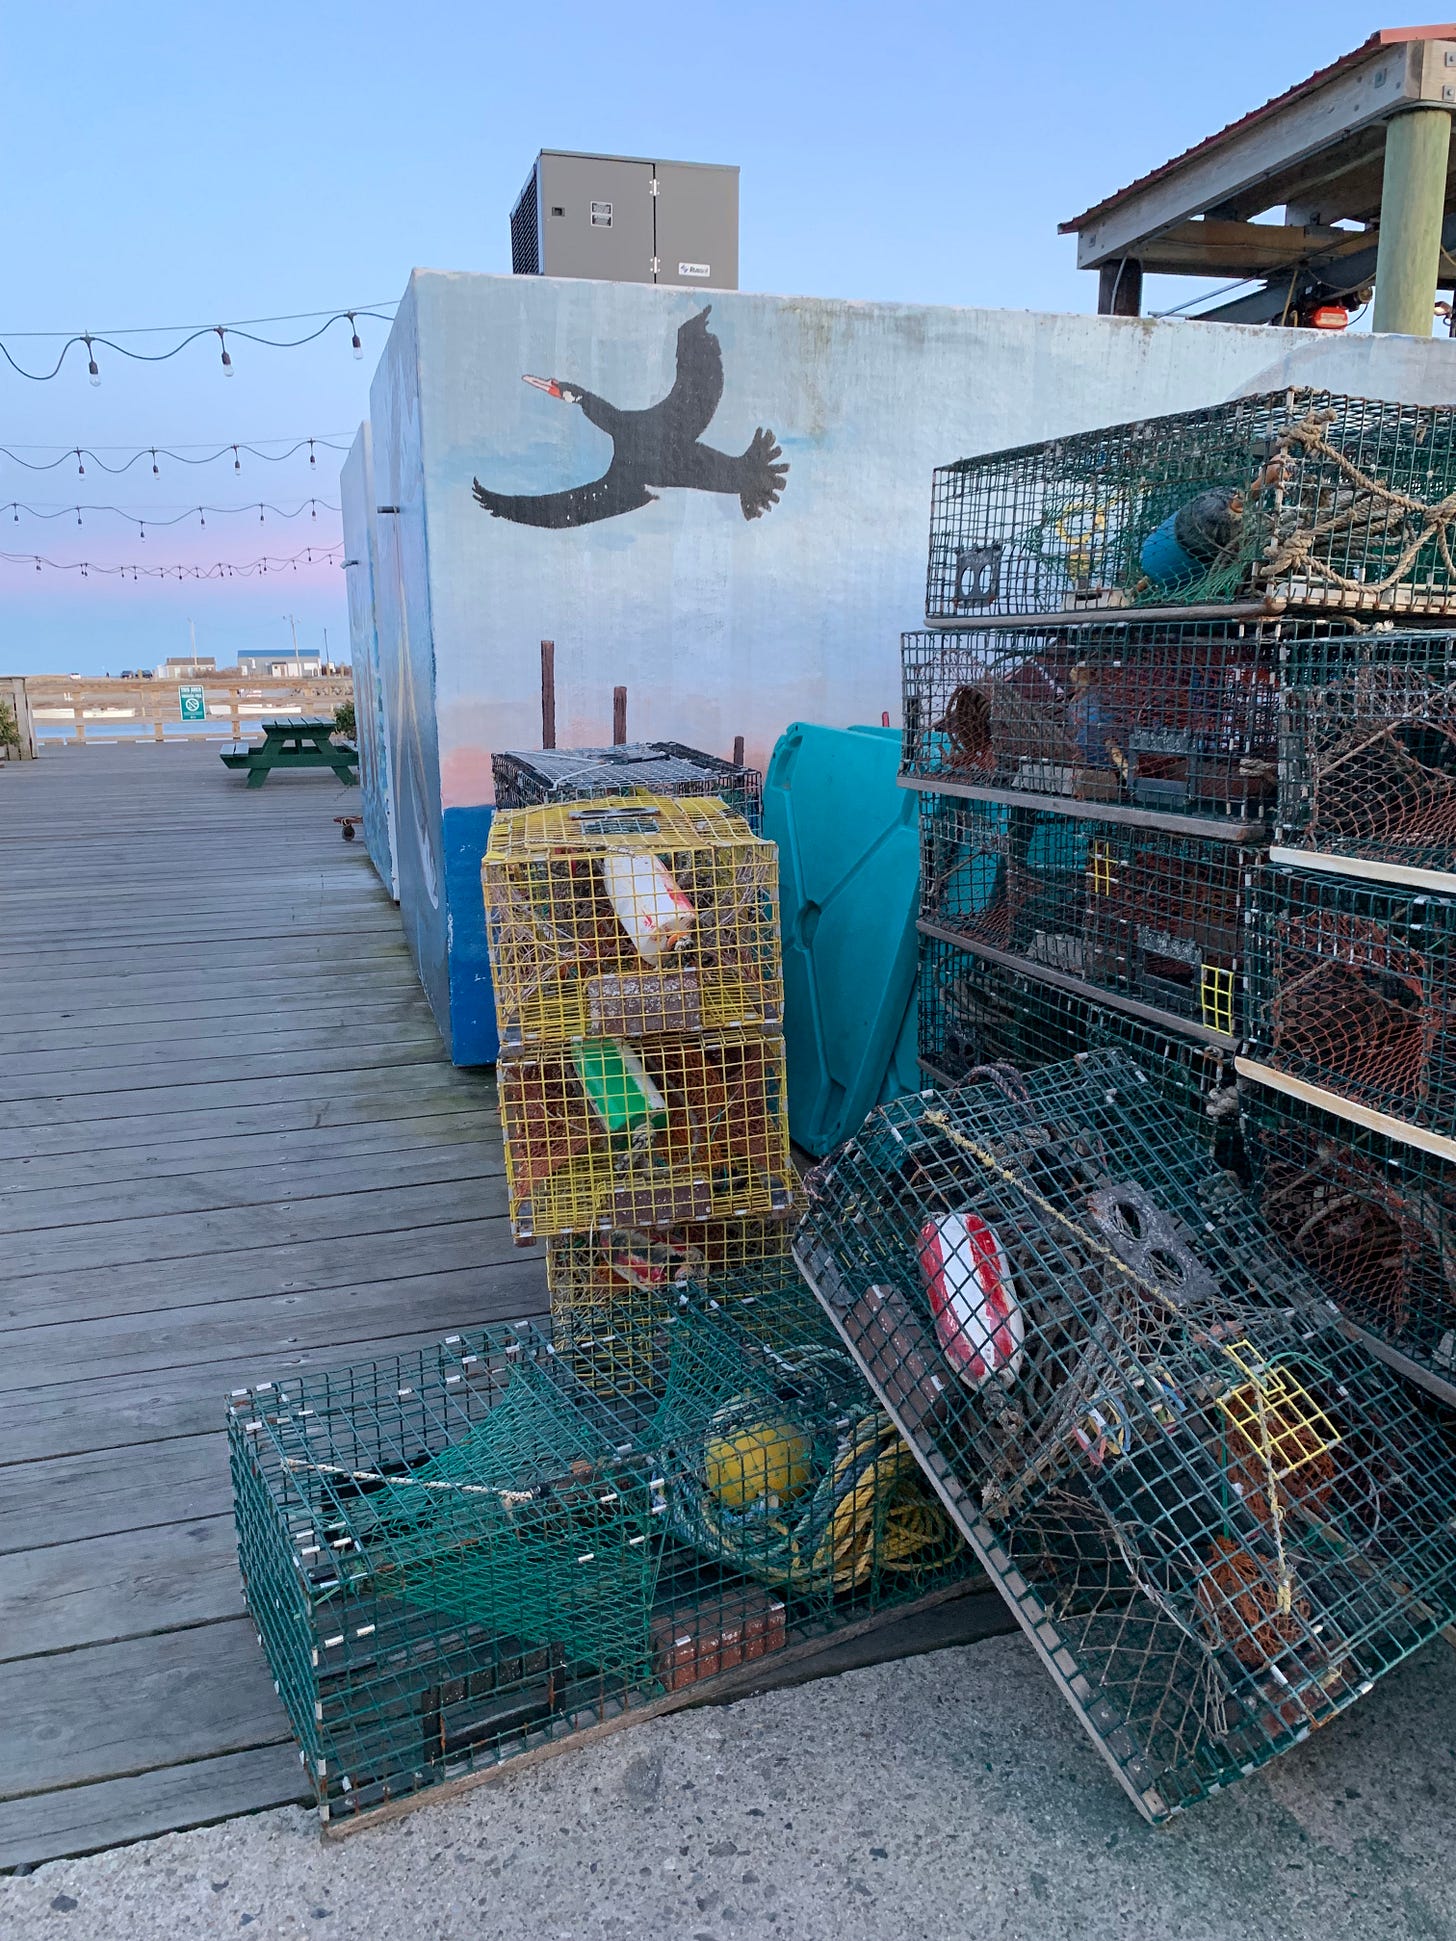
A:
(193, 703)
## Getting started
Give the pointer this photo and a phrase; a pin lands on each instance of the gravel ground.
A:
(947, 1797)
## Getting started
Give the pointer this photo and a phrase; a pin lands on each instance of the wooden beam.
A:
(1120, 288)
(1392, 78)
(1217, 248)
(548, 693)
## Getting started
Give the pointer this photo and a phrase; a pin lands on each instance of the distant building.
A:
(264, 663)
(188, 669)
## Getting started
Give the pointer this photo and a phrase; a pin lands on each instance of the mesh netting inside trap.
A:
(1217, 1517)
(471, 1552)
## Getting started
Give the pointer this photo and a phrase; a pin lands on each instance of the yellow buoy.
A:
(758, 1459)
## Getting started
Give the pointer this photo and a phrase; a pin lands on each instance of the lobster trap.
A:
(630, 917)
(1298, 498)
(1170, 718)
(1217, 1518)
(609, 1291)
(1373, 1220)
(466, 1554)
(605, 1133)
(1353, 990)
(1367, 754)
(974, 1014)
(1150, 917)
(525, 778)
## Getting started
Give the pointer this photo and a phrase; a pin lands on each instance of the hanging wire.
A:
(218, 570)
(88, 340)
(260, 506)
(182, 454)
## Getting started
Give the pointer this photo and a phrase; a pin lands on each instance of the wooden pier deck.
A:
(230, 1146)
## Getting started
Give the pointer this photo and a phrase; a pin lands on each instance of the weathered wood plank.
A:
(109, 1812)
(178, 1193)
(91, 1078)
(70, 1498)
(182, 1032)
(137, 1346)
(255, 1273)
(439, 1088)
(73, 1418)
(308, 1147)
(130, 1585)
(113, 1709)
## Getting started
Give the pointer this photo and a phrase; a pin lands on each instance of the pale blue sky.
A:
(172, 163)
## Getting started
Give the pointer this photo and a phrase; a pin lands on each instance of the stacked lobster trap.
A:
(639, 999)
(1350, 1068)
(1189, 782)
(483, 1550)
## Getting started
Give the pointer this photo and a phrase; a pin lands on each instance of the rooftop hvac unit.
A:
(627, 220)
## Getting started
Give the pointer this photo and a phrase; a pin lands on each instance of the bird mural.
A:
(659, 447)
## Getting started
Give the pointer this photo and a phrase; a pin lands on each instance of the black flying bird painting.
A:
(659, 447)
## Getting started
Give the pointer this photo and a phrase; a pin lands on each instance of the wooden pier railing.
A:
(102, 706)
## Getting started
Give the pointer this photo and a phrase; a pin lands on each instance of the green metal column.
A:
(1412, 205)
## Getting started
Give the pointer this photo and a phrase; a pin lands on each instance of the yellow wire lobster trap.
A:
(605, 1133)
(630, 917)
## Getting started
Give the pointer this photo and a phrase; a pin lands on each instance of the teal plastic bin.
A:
(849, 884)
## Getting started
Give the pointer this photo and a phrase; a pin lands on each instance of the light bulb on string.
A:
(227, 362)
(80, 468)
(260, 515)
(237, 462)
(155, 473)
(311, 459)
(78, 515)
(354, 340)
(92, 369)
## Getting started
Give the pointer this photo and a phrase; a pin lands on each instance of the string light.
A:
(261, 506)
(188, 334)
(183, 454)
(218, 570)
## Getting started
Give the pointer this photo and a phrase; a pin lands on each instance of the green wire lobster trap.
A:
(470, 1553)
(1367, 753)
(1372, 1219)
(524, 778)
(1299, 498)
(1353, 991)
(974, 1014)
(1217, 1518)
(1141, 918)
(1166, 718)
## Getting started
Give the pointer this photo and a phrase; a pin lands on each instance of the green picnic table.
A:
(293, 741)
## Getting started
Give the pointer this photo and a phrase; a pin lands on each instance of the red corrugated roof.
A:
(1387, 37)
